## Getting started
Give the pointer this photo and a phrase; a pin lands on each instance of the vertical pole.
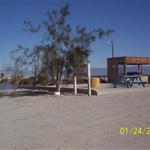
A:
(112, 48)
(116, 65)
(89, 80)
(142, 70)
(125, 69)
(139, 70)
(75, 85)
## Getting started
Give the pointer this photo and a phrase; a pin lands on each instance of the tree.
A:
(68, 49)
(29, 58)
(65, 49)
(34, 59)
(17, 71)
(19, 57)
(80, 46)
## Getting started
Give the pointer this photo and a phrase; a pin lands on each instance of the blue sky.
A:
(130, 20)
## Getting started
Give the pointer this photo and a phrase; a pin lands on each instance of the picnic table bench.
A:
(128, 81)
(136, 80)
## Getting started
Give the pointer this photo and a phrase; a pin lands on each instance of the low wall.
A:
(62, 90)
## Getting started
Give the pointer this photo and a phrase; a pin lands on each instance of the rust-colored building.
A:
(118, 65)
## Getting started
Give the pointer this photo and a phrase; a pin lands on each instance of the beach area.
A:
(68, 122)
(75, 75)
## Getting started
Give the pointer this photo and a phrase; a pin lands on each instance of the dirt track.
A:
(74, 122)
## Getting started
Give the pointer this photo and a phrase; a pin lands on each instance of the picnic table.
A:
(128, 81)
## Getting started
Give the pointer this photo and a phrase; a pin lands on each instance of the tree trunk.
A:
(58, 82)
(35, 74)
(59, 75)
(57, 86)
(52, 76)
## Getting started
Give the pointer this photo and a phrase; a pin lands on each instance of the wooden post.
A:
(139, 70)
(142, 69)
(89, 80)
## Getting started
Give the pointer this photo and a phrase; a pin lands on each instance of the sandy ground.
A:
(75, 122)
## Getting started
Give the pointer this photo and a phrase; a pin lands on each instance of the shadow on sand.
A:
(24, 93)
(44, 91)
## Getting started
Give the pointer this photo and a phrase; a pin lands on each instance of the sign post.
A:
(89, 79)
(75, 85)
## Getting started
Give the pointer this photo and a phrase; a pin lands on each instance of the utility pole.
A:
(112, 48)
